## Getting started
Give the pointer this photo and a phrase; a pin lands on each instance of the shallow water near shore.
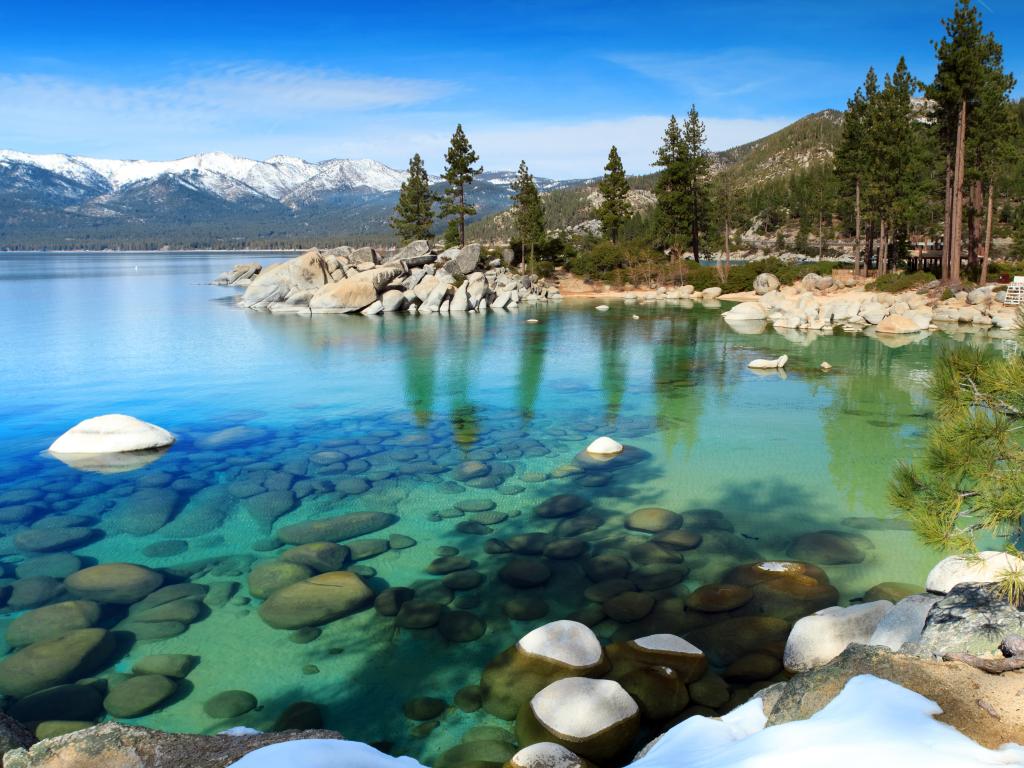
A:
(352, 414)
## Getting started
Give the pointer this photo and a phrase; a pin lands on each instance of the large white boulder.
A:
(748, 310)
(605, 446)
(595, 719)
(898, 324)
(820, 637)
(904, 623)
(566, 642)
(546, 754)
(111, 433)
(985, 567)
(778, 362)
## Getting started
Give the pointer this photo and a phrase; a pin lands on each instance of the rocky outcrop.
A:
(985, 707)
(983, 568)
(367, 282)
(113, 745)
(240, 275)
(820, 637)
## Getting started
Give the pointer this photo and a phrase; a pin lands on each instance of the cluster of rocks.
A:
(819, 303)
(960, 612)
(362, 280)
(682, 293)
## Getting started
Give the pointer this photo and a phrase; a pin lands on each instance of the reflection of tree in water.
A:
(418, 352)
(687, 358)
(876, 394)
(613, 368)
(531, 366)
(463, 346)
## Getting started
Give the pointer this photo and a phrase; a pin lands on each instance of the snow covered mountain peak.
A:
(228, 176)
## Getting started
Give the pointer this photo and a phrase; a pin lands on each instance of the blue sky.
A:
(553, 82)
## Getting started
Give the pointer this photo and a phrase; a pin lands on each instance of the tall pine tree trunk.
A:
(462, 216)
(821, 236)
(947, 222)
(958, 193)
(869, 248)
(883, 251)
(725, 272)
(986, 254)
(974, 224)
(856, 240)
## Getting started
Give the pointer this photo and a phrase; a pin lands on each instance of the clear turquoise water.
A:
(145, 334)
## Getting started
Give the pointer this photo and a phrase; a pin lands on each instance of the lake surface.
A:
(352, 414)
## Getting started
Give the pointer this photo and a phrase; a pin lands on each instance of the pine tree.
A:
(970, 479)
(681, 189)
(851, 155)
(614, 188)
(893, 159)
(969, 77)
(528, 211)
(459, 173)
(414, 211)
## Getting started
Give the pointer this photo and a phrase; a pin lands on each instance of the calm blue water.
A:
(397, 403)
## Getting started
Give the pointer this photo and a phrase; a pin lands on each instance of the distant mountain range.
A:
(211, 199)
(220, 200)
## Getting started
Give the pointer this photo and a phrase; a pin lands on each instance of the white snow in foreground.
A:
(872, 723)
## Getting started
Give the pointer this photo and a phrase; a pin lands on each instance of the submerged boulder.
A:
(595, 719)
(551, 652)
(51, 662)
(317, 600)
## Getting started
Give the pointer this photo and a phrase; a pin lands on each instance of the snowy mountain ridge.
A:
(281, 177)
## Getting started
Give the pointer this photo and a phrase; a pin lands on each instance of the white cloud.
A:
(262, 110)
(64, 114)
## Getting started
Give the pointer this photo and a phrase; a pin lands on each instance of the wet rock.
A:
(266, 507)
(628, 606)
(565, 549)
(659, 691)
(469, 698)
(660, 650)
(488, 753)
(424, 708)
(525, 608)
(51, 662)
(13, 736)
(551, 652)
(268, 576)
(596, 719)
(562, 505)
(53, 539)
(321, 556)
(229, 704)
(62, 702)
(893, 591)
(676, 539)
(709, 691)
(315, 601)
(298, 716)
(523, 573)
(606, 566)
(398, 541)
(653, 520)
(113, 583)
(57, 565)
(390, 600)
(33, 592)
(752, 668)
(463, 580)
(337, 528)
(364, 549)
(828, 548)
(175, 665)
(725, 641)
(461, 626)
(418, 614)
(449, 564)
(168, 548)
(719, 598)
(52, 621)
(139, 695)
